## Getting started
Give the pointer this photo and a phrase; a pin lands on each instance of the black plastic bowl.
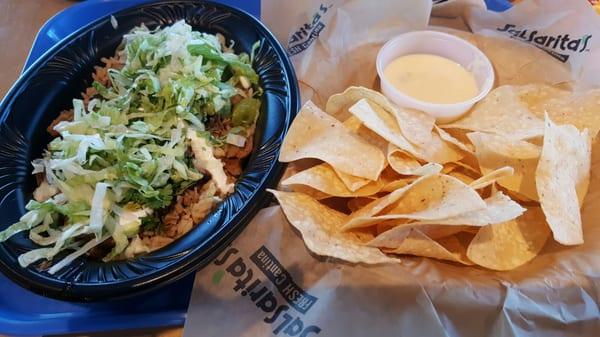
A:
(62, 74)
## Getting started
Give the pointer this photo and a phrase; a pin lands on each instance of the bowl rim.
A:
(46, 285)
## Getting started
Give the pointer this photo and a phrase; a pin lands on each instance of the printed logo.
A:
(257, 291)
(557, 46)
(308, 32)
(291, 292)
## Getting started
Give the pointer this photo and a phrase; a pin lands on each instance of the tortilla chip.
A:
(494, 151)
(376, 118)
(463, 176)
(459, 165)
(562, 179)
(323, 178)
(419, 244)
(402, 162)
(355, 125)
(462, 172)
(353, 183)
(380, 204)
(312, 192)
(433, 197)
(355, 204)
(498, 208)
(508, 245)
(439, 151)
(319, 226)
(381, 122)
(452, 140)
(315, 134)
(396, 184)
(438, 197)
(415, 125)
(492, 176)
(564, 107)
(392, 237)
(501, 112)
(427, 169)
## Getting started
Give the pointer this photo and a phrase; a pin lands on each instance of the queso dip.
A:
(431, 78)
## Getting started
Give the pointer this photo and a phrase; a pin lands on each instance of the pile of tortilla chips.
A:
(379, 181)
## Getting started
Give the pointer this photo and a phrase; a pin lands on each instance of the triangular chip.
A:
(380, 204)
(353, 183)
(452, 140)
(502, 113)
(319, 226)
(458, 165)
(494, 152)
(315, 134)
(562, 179)
(415, 125)
(355, 125)
(312, 192)
(355, 204)
(507, 245)
(402, 162)
(463, 176)
(438, 151)
(392, 237)
(434, 197)
(323, 178)
(396, 184)
(379, 120)
(419, 244)
(564, 107)
(492, 176)
(498, 208)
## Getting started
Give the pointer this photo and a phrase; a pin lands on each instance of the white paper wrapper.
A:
(556, 294)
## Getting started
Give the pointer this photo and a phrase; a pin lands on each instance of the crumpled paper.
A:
(268, 284)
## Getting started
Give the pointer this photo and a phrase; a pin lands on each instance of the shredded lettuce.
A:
(124, 153)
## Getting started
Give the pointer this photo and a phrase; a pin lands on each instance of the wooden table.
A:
(20, 21)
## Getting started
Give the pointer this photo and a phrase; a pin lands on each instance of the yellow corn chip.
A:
(491, 177)
(402, 162)
(450, 139)
(433, 197)
(564, 107)
(315, 134)
(502, 113)
(494, 152)
(319, 226)
(383, 123)
(507, 245)
(415, 126)
(562, 179)
(419, 244)
(498, 208)
(323, 178)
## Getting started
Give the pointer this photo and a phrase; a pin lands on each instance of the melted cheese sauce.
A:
(431, 78)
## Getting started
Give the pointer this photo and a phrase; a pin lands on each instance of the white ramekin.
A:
(441, 44)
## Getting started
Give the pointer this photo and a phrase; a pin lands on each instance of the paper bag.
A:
(335, 42)
(268, 284)
(569, 31)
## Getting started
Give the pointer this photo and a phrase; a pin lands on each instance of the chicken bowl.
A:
(138, 147)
